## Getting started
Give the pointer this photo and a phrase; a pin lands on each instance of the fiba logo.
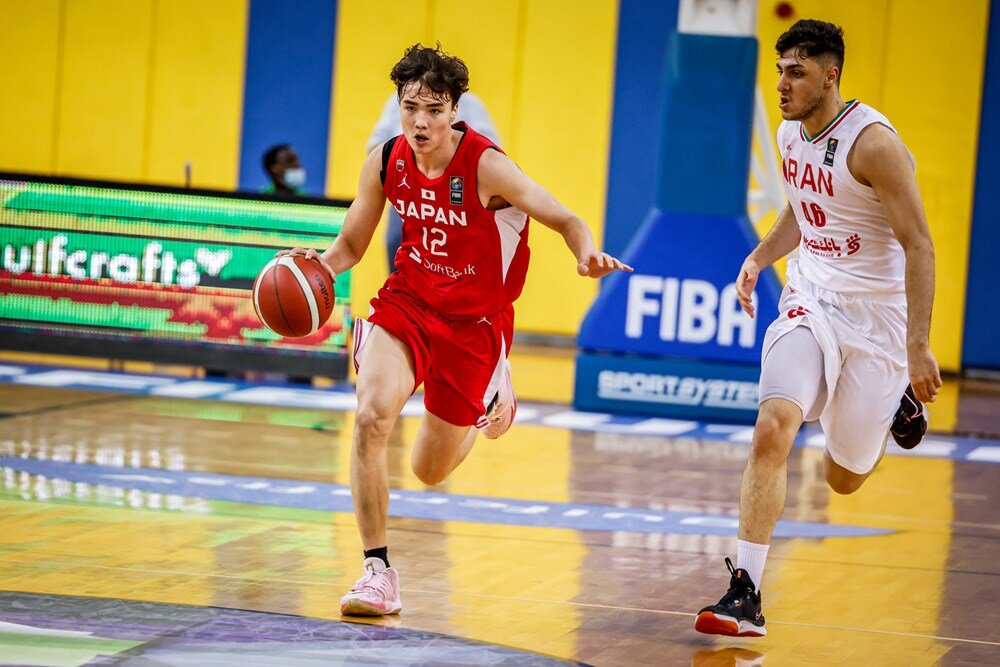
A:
(687, 311)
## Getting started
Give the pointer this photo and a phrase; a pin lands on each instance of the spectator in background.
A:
(282, 166)
(288, 177)
(471, 110)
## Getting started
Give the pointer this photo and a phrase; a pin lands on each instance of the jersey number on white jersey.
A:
(814, 214)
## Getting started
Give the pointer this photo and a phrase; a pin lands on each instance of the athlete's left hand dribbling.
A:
(924, 374)
(600, 264)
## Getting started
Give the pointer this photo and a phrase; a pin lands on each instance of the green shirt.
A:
(269, 190)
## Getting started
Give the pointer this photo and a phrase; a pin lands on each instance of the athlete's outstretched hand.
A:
(746, 283)
(924, 374)
(599, 264)
(308, 254)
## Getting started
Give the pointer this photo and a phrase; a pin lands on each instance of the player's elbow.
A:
(919, 246)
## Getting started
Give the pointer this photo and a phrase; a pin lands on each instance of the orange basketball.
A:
(293, 296)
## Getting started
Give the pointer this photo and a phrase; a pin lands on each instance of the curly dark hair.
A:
(434, 69)
(814, 39)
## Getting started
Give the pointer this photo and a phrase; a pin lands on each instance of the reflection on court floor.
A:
(232, 507)
(950, 446)
(60, 629)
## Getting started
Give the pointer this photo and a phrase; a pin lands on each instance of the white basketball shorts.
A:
(863, 346)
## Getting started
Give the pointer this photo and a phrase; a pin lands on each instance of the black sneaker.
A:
(738, 613)
(910, 423)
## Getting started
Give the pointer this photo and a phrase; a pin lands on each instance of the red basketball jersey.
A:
(460, 258)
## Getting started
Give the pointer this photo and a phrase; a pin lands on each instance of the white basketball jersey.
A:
(847, 244)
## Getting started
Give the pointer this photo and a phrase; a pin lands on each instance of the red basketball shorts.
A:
(460, 361)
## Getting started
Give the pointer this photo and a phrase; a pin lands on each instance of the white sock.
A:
(751, 557)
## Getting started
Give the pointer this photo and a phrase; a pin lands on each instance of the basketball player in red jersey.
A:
(444, 319)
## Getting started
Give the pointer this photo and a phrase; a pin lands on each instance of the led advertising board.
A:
(157, 274)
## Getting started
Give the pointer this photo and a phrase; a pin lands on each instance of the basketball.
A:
(293, 296)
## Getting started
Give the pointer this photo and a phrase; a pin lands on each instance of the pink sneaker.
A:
(376, 593)
(500, 413)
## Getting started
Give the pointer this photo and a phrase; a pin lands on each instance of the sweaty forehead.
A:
(416, 91)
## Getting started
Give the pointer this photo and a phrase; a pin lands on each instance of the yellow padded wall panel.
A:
(935, 107)
(485, 35)
(29, 49)
(197, 92)
(562, 140)
(103, 101)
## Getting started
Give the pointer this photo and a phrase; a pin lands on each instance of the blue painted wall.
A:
(289, 76)
(643, 29)
(982, 306)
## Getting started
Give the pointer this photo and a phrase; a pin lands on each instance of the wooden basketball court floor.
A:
(214, 508)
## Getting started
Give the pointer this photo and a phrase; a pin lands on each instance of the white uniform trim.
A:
(498, 376)
(307, 292)
(510, 223)
(362, 330)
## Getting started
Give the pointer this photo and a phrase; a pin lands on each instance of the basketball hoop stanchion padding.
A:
(670, 339)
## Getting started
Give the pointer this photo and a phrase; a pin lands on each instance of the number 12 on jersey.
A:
(434, 239)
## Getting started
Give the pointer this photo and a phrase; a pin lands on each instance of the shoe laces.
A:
(497, 410)
(916, 406)
(372, 582)
(902, 424)
(737, 589)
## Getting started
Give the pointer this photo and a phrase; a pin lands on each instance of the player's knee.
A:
(779, 421)
(773, 435)
(429, 472)
(372, 424)
(843, 482)
(844, 486)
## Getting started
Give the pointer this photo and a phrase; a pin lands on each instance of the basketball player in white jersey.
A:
(854, 319)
